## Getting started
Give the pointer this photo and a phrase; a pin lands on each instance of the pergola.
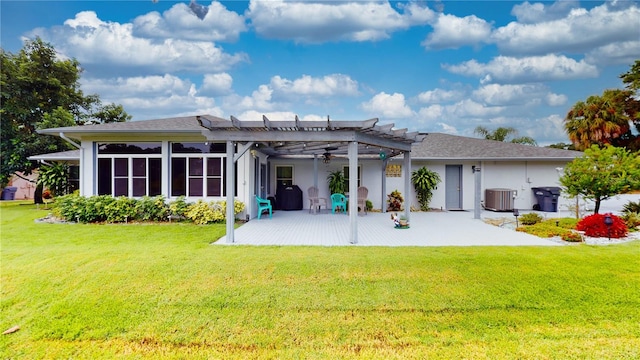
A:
(311, 139)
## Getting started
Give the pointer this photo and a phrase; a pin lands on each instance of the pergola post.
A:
(231, 180)
(353, 191)
(407, 184)
(384, 185)
(478, 192)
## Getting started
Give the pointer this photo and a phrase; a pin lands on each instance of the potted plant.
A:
(394, 201)
(336, 182)
(424, 181)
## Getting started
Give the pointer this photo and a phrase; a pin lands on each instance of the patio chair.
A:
(338, 201)
(315, 202)
(264, 204)
(363, 192)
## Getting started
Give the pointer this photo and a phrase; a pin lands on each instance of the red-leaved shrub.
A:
(594, 226)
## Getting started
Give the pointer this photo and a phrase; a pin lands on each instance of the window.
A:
(74, 178)
(129, 169)
(345, 171)
(198, 169)
(284, 175)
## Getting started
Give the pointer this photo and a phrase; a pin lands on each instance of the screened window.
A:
(129, 169)
(198, 169)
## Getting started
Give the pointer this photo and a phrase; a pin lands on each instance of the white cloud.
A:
(439, 96)
(136, 86)
(471, 109)
(579, 31)
(314, 22)
(528, 13)
(326, 86)
(556, 99)
(252, 115)
(260, 100)
(452, 32)
(179, 21)
(432, 112)
(152, 96)
(389, 106)
(615, 53)
(503, 69)
(216, 84)
(512, 95)
(95, 43)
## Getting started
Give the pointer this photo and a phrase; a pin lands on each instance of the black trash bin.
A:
(9, 193)
(547, 198)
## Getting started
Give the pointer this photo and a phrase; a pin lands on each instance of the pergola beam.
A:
(308, 138)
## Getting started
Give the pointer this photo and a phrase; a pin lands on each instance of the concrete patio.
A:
(437, 228)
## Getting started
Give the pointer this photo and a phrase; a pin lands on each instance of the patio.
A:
(376, 229)
(437, 228)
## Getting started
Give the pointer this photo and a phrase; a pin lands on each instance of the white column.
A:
(353, 191)
(478, 191)
(407, 184)
(383, 207)
(231, 180)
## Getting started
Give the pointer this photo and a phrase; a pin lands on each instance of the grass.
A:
(162, 291)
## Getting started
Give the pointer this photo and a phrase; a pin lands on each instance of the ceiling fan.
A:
(326, 157)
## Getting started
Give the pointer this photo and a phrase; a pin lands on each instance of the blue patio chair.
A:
(264, 204)
(338, 201)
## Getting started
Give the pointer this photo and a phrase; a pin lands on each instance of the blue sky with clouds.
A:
(433, 66)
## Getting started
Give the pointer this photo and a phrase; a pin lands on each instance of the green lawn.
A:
(162, 291)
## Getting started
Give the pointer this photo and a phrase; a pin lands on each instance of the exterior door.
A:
(453, 187)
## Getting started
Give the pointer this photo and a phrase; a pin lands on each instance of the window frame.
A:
(118, 179)
(277, 179)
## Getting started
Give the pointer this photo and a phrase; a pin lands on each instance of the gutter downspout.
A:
(65, 138)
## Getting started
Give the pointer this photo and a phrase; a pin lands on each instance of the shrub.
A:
(547, 229)
(594, 226)
(632, 219)
(369, 205)
(121, 209)
(152, 208)
(530, 219)
(69, 207)
(179, 207)
(572, 236)
(631, 207)
(394, 201)
(202, 213)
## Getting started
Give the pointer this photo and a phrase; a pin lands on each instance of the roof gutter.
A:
(65, 138)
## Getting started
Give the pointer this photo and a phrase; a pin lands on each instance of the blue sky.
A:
(432, 66)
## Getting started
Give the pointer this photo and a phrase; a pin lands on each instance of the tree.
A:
(608, 119)
(602, 173)
(424, 181)
(502, 133)
(562, 146)
(39, 90)
(55, 177)
(600, 120)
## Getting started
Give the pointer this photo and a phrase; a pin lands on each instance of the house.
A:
(185, 156)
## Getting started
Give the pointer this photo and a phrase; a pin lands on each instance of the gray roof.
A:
(69, 155)
(187, 124)
(438, 146)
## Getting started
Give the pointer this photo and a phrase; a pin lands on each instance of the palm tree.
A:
(502, 133)
(600, 120)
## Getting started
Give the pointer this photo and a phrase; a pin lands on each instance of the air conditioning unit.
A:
(499, 199)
